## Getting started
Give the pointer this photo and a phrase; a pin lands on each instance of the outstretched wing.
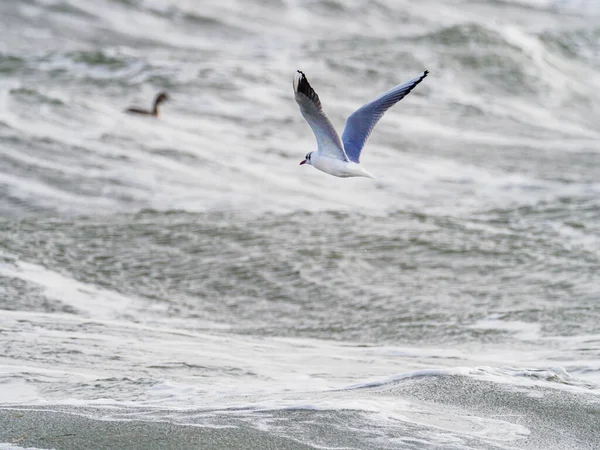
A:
(328, 141)
(362, 121)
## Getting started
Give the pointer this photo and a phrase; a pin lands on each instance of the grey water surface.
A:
(182, 282)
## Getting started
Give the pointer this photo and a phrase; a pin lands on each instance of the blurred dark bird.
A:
(160, 98)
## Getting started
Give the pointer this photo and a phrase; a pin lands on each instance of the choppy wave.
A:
(186, 270)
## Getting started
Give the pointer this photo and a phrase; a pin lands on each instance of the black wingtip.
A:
(304, 87)
(426, 73)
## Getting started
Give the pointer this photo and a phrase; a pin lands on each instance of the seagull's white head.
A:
(307, 158)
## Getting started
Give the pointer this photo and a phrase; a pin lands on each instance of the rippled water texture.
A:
(186, 270)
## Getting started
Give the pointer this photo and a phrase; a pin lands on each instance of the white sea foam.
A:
(12, 446)
(448, 304)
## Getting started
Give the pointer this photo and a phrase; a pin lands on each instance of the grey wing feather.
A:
(361, 122)
(328, 141)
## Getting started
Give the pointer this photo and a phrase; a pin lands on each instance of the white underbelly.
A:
(338, 168)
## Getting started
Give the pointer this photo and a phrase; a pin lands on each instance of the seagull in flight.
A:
(336, 157)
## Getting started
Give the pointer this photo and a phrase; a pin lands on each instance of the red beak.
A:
(303, 162)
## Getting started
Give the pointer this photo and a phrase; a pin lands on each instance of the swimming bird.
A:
(160, 98)
(341, 158)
